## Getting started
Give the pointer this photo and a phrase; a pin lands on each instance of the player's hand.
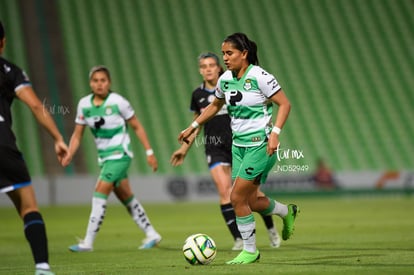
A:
(272, 144)
(185, 134)
(66, 160)
(152, 161)
(62, 151)
(177, 157)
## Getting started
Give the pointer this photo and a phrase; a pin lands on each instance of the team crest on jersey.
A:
(108, 110)
(211, 98)
(247, 84)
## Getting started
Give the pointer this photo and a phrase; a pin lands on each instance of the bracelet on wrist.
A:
(149, 152)
(195, 124)
(276, 130)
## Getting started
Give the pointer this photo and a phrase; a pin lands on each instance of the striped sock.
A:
(35, 232)
(96, 219)
(247, 228)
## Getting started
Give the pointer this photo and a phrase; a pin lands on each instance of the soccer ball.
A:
(199, 249)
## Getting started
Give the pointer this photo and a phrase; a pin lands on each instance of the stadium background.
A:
(346, 66)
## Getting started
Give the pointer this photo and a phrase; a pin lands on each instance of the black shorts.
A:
(218, 155)
(13, 170)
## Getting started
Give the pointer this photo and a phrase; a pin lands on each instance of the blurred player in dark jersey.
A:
(14, 176)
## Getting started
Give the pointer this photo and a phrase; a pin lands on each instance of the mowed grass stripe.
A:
(364, 235)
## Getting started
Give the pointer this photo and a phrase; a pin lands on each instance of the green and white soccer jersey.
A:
(248, 104)
(107, 124)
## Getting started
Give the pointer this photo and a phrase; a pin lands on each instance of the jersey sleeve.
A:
(268, 84)
(125, 108)
(80, 118)
(17, 77)
(219, 92)
(193, 104)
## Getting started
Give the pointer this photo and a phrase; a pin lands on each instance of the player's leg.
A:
(221, 175)
(267, 206)
(136, 210)
(96, 216)
(288, 214)
(112, 171)
(34, 225)
(13, 170)
(273, 235)
(242, 190)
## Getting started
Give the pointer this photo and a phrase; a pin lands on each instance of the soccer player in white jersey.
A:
(217, 137)
(249, 92)
(107, 114)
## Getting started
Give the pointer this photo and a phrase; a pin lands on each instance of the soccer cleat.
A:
(150, 241)
(43, 272)
(80, 247)
(289, 221)
(245, 257)
(238, 244)
(274, 238)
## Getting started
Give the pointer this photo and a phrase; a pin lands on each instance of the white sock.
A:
(280, 209)
(137, 212)
(95, 220)
(44, 266)
(247, 228)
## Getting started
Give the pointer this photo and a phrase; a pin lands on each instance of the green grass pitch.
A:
(335, 235)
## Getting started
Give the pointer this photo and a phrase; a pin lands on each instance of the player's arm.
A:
(143, 138)
(74, 143)
(282, 101)
(177, 158)
(209, 112)
(28, 96)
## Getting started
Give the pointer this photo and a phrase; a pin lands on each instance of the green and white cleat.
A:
(289, 221)
(245, 257)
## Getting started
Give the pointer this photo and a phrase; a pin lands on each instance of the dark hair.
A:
(99, 68)
(241, 42)
(214, 56)
(2, 33)
(207, 55)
